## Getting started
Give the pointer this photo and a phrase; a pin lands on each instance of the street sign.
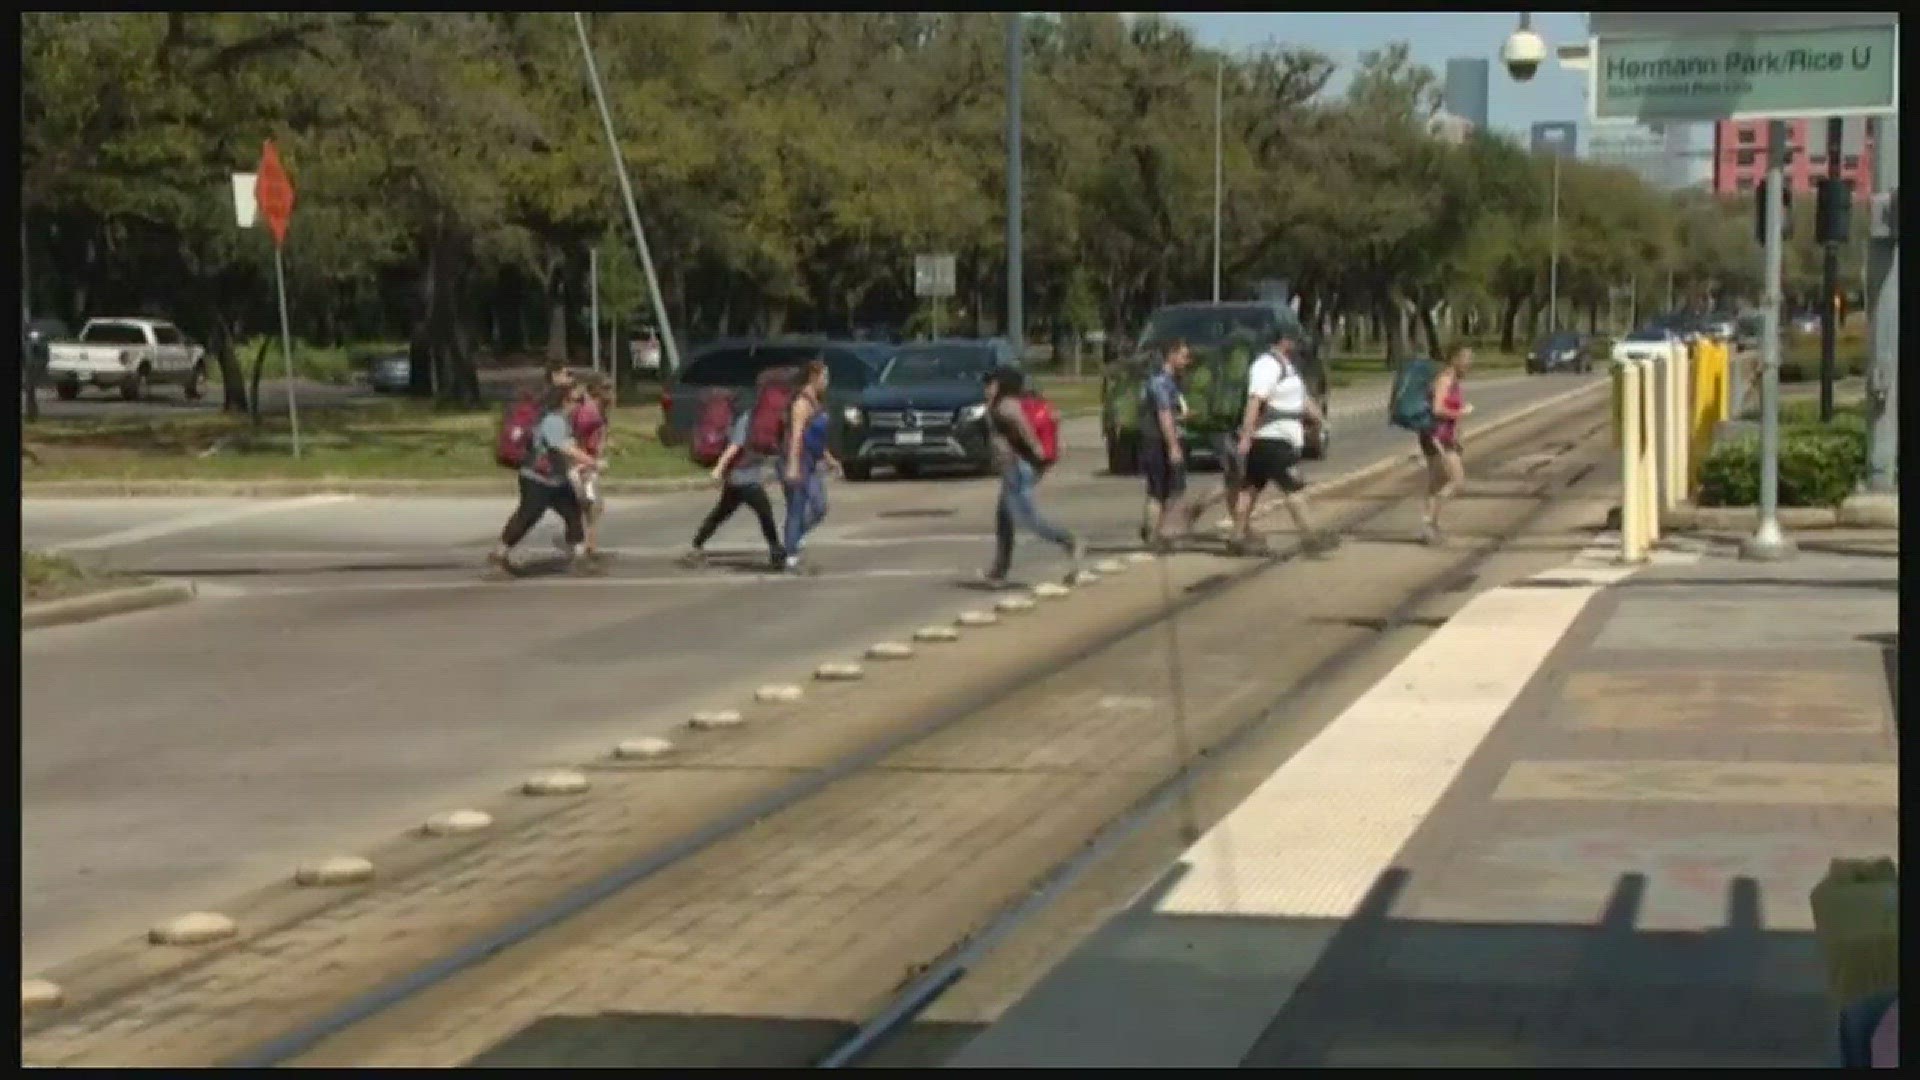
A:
(933, 276)
(274, 192)
(1745, 75)
(245, 207)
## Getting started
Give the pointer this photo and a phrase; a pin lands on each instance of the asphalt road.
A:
(348, 669)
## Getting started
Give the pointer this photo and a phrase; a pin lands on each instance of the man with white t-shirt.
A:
(1272, 432)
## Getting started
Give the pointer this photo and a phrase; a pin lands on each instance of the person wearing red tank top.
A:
(1446, 473)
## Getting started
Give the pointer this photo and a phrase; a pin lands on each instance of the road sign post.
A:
(933, 279)
(273, 192)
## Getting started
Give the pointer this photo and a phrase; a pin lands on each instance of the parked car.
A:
(733, 365)
(1646, 343)
(1562, 351)
(926, 407)
(1223, 338)
(129, 355)
(390, 374)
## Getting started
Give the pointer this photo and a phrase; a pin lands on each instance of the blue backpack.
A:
(1410, 402)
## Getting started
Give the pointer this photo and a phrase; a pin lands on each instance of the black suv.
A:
(928, 407)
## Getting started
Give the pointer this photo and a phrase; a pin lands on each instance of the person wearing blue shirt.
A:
(1162, 461)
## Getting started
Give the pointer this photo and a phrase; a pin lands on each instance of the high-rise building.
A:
(1740, 158)
(1668, 156)
(1561, 137)
(1465, 91)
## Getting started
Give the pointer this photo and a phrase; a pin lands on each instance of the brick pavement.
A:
(1617, 876)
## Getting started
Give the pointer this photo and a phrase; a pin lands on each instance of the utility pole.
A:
(626, 194)
(593, 302)
(1219, 113)
(1769, 543)
(1016, 321)
(1829, 279)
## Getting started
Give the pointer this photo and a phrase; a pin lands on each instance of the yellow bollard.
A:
(1649, 464)
(1626, 381)
(1676, 427)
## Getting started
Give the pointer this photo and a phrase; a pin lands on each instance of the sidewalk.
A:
(1576, 827)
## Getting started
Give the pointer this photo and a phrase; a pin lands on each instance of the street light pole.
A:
(1553, 259)
(1219, 102)
(1016, 322)
(1883, 270)
(626, 194)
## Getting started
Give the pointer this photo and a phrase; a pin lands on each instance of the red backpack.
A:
(515, 438)
(712, 429)
(770, 410)
(1045, 421)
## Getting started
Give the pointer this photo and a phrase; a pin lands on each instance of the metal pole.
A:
(286, 346)
(1016, 321)
(593, 302)
(1769, 543)
(1829, 281)
(1883, 379)
(1553, 258)
(1219, 113)
(626, 194)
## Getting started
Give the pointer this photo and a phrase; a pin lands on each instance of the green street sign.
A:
(1764, 74)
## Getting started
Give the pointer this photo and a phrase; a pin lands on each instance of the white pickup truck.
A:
(129, 354)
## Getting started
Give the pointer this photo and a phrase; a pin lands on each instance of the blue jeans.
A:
(1016, 510)
(806, 506)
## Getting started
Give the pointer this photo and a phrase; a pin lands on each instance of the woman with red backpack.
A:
(1024, 456)
(741, 472)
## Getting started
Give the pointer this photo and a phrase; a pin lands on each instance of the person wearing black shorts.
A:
(1163, 460)
(1271, 434)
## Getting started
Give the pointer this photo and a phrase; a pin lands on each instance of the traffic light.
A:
(1833, 209)
(1760, 212)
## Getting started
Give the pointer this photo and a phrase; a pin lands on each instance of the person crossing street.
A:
(1272, 433)
(1022, 463)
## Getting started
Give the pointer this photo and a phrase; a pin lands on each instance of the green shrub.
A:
(1820, 465)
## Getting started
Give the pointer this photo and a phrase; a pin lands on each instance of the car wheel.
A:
(135, 389)
(859, 471)
(1123, 457)
(67, 391)
(196, 382)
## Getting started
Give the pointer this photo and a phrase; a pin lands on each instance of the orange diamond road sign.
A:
(273, 191)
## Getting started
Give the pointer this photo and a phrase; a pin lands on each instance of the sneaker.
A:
(1078, 551)
(500, 561)
(1249, 546)
(1430, 535)
(776, 560)
(1160, 545)
(993, 579)
(694, 559)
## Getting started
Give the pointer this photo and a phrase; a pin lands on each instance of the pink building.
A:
(1740, 158)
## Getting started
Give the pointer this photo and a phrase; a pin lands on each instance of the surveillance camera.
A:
(1523, 54)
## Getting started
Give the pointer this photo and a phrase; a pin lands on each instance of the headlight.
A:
(851, 414)
(970, 413)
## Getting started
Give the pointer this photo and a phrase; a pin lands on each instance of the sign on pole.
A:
(933, 276)
(1746, 74)
(274, 192)
(245, 208)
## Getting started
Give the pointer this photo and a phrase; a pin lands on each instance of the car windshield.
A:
(938, 363)
(1560, 341)
(1647, 335)
(1207, 326)
(113, 333)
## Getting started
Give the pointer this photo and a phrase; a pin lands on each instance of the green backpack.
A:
(1410, 402)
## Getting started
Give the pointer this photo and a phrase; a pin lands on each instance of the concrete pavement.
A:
(347, 670)
(1577, 827)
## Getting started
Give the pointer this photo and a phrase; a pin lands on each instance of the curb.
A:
(102, 604)
(267, 489)
(1851, 515)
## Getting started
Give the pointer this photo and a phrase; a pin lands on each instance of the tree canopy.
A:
(452, 177)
